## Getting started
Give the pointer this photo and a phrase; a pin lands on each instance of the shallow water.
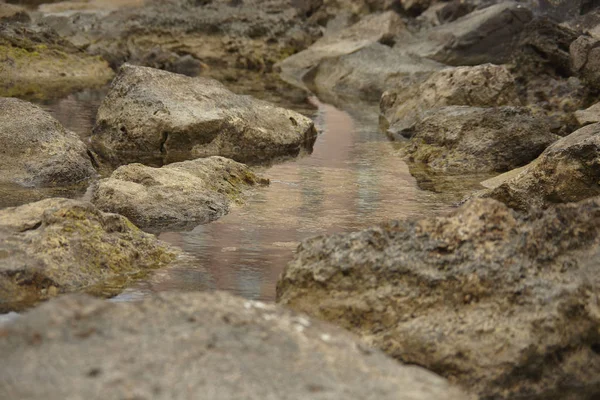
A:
(353, 179)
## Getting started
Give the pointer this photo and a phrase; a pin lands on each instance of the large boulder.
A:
(37, 63)
(376, 28)
(37, 150)
(481, 86)
(488, 35)
(178, 196)
(503, 304)
(57, 245)
(211, 346)
(567, 171)
(368, 72)
(470, 139)
(149, 114)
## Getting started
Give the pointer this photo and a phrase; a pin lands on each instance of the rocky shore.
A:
(496, 299)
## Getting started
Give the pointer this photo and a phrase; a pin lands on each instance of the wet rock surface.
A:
(505, 305)
(176, 196)
(567, 171)
(37, 151)
(35, 62)
(216, 346)
(471, 139)
(480, 86)
(58, 245)
(149, 114)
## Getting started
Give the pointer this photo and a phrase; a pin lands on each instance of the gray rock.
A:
(177, 196)
(37, 151)
(567, 171)
(375, 28)
(481, 86)
(196, 345)
(488, 35)
(367, 73)
(502, 304)
(57, 245)
(470, 139)
(585, 59)
(149, 114)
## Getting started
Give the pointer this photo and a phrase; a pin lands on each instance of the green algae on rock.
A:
(505, 305)
(215, 347)
(36, 63)
(58, 245)
(178, 196)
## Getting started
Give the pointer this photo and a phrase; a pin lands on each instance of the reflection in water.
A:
(353, 179)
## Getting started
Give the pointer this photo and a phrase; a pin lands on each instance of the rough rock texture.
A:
(36, 63)
(180, 195)
(585, 58)
(13, 13)
(58, 245)
(471, 139)
(215, 346)
(506, 306)
(376, 28)
(36, 150)
(567, 171)
(588, 116)
(563, 10)
(483, 36)
(368, 72)
(153, 114)
(217, 34)
(481, 86)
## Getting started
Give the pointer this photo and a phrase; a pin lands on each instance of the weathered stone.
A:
(366, 73)
(588, 116)
(216, 347)
(58, 245)
(567, 171)
(505, 305)
(585, 58)
(177, 196)
(563, 10)
(35, 62)
(488, 35)
(481, 86)
(13, 13)
(470, 139)
(152, 114)
(376, 28)
(37, 150)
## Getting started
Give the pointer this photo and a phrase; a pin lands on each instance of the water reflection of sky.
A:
(353, 179)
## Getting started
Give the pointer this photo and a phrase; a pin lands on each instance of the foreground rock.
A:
(481, 86)
(376, 28)
(36, 63)
(57, 245)
(37, 150)
(180, 195)
(471, 139)
(153, 114)
(568, 171)
(216, 346)
(504, 305)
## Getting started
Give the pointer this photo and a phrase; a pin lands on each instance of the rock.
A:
(37, 151)
(502, 304)
(36, 63)
(563, 10)
(377, 28)
(152, 114)
(367, 72)
(13, 13)
(481, 86)
(470, 139)
(216, 347)
(58, 245)
(585, 59)
(588, 116)
(567, 171)
(415, 7)
(178, 196)
(488, 35)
